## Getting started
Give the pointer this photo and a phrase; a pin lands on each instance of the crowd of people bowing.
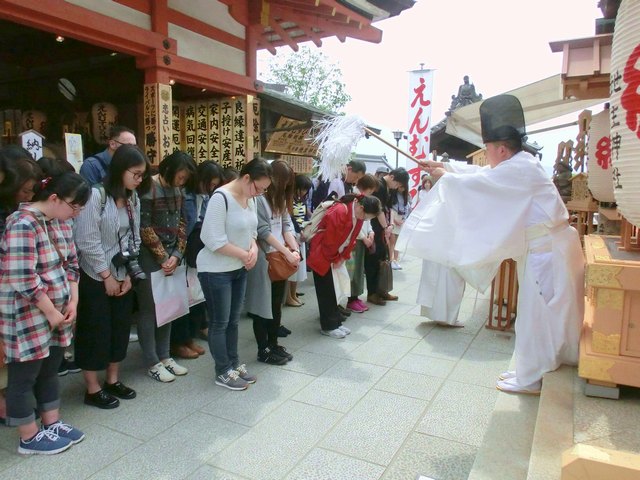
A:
(83, 257)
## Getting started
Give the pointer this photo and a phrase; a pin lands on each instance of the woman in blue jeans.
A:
(229, 232)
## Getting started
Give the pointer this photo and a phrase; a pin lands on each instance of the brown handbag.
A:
(385, 277)
(279, 268)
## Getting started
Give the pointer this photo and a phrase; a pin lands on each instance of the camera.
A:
(129, 260)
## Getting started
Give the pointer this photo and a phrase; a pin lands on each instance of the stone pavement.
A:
(398, 398)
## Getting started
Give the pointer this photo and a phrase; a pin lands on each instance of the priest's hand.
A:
(436, 173)
(430, 165)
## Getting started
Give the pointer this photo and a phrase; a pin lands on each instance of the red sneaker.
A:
(362, 305)
(354, 306)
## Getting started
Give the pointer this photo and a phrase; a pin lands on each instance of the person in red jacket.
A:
(330, 247)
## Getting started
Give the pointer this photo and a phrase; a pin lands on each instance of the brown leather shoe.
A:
(388, 297)
(182, 351)
(375, 299)
(196, 348)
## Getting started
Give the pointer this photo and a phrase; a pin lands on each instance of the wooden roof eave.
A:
(359, 30)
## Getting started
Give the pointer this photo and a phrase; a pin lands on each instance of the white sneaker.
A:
(395, 266)
(511, 385)
(507, 375)
(337, 333)
(160, 373)
(171, 365)
(344, 329)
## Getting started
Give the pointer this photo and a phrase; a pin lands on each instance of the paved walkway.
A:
(397, 398)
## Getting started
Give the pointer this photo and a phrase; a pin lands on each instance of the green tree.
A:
(310, 77)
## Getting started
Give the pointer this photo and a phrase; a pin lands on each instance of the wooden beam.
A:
(209, 31)
(312, 35)
(251, 47)
(139, 5)
(321, 11)
(240, 10)
(346, 11)
(368, 33)
(159, 17)
(284, 36)
(196, 74)
(72, 21)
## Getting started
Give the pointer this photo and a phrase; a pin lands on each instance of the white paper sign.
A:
(32, 142)
(73, 145)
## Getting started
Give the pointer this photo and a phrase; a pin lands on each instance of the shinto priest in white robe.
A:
(440, 292)
(474, 218)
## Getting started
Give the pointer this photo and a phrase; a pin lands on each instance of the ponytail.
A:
(63, 183)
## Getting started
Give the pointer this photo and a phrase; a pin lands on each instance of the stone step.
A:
(506, 447)
(554, 425)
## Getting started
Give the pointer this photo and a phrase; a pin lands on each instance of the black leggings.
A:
(330, 317)
(266, 329)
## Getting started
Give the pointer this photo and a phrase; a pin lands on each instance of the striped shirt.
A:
(98, 238)
(31, 268)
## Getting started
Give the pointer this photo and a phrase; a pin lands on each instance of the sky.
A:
(500, 44)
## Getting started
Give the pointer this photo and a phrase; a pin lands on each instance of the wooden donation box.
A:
(610, 341)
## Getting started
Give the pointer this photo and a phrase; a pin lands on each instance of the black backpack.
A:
(320, 193)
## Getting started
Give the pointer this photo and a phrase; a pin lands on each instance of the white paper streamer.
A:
(336, 139)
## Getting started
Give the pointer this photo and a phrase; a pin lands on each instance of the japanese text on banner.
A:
(419, 136)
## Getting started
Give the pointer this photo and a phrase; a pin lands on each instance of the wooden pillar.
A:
(254, 148)
(504, 297)
(158, 141)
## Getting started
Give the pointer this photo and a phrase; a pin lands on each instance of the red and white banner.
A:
(419, 136)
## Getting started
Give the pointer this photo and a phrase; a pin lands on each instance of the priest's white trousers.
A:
(550, 305)
(440, 292)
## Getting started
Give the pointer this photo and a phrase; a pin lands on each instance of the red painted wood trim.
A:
(196, 74)
(140, 5)
(251, 62)
(159, 17)
(205, 29)
(346, 11)
(69, 20)
(239, 9)
(284, 35)
(328, 27)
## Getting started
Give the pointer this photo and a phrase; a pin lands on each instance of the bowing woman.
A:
(331, 246)
(38, 303)
(164, 238)
(275, 233)
(229, 235)
(106, 232)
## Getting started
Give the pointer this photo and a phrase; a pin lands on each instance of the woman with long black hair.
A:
(107, 235)
(229, 234)
(275, 233)
(164, 239)
(330, 247)
(209, 176)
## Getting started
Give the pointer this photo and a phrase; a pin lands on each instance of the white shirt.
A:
(224, 224)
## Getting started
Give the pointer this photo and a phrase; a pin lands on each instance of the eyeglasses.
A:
(75, 208)
(260, 190)
(136, 175)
